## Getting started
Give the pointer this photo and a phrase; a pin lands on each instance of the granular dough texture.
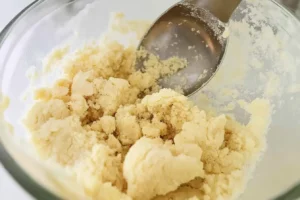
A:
(123, 137)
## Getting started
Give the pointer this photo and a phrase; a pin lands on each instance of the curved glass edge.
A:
(288, 10)
(40, 192)
(6, 29)
(292, 194)
(20, 176)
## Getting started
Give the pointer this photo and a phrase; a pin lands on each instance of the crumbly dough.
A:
(123, 137)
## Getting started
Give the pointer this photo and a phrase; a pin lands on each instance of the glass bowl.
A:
(270, 39)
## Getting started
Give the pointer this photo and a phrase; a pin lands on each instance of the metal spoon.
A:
(191, 29)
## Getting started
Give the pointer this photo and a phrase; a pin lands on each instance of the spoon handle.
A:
(291, 4)
(222, 9)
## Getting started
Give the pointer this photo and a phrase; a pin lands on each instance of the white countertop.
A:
(9, 188)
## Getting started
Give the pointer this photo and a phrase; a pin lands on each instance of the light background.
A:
(9, 189)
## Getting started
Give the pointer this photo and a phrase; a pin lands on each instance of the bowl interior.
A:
(260, 62)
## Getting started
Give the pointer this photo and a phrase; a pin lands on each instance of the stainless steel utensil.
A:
(195, 30)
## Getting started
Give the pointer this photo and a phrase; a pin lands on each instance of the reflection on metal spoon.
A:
(191, 29)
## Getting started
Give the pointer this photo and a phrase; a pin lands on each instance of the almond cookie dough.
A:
(123, 137)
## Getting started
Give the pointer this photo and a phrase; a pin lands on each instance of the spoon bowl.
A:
(196, 31)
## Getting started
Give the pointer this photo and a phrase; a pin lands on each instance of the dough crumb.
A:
(151, 169)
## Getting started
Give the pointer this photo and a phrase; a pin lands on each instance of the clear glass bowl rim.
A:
(31, 186)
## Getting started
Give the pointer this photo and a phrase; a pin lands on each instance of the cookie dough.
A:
(123, 137)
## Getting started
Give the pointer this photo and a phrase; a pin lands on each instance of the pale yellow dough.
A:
(124, 138)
